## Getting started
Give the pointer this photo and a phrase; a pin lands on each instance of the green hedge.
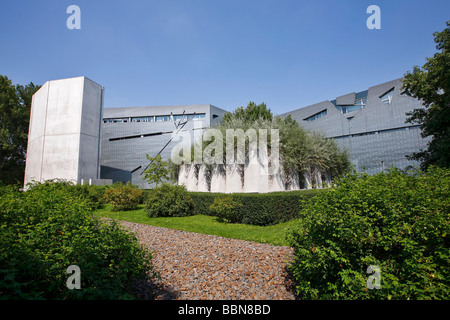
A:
(257, 208)
(202, 202)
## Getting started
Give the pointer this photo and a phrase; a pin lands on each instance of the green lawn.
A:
(275, 235)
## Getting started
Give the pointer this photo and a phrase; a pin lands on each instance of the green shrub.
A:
(396, 221)
(92, 194)
(147, 194)
(123, 197)
(46, 229)
(224, 207)
(257, 209)
(169, 201)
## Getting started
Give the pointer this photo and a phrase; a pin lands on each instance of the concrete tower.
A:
(64, 133)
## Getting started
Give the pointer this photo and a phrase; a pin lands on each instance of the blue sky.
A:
(286, 53)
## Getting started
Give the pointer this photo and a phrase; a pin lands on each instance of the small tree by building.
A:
(157, 171)
(431, 85)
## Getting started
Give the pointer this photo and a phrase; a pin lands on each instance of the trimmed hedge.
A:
(202, 202)
(260, 209)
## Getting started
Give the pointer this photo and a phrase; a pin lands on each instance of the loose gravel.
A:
(195, 266)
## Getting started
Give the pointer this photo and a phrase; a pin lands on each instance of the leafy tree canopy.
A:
(251, 113)
(431, 84)
(299, 148)
(15, 106)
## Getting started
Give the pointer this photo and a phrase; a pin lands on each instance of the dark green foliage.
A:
(203, 201)
(431, 84)
(47, 229)
(299, 149)
(157, 170)
(251, 113)
(123, 197)
(397, 221)
(224, 207)
(270, 208)
(93, 195)
(169, 201)
(15, 105)
(257, 209)
(146, 194)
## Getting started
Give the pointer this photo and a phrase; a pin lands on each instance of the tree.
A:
(156, 171)
(431, 84)
(300, 150)
(15, 106)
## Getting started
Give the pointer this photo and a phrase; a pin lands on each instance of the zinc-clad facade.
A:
(128, 134)
(370, 124)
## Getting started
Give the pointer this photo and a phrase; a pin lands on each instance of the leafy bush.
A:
(257, 209)
(226, 208)
(91, 193)
(396, 221)
(146, 194)
(123, 197)
(169, 201)
(46, 229)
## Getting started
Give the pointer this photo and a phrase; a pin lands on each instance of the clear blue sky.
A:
(287, 53)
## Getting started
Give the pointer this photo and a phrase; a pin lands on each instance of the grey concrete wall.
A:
(91, 119)
(254, 181)
(36, 132)
(64, 132)
(218, 179)
(256, 178)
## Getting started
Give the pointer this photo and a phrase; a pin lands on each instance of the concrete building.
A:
(130, 133)
(370, 124)
(72, 137)
(64, 133)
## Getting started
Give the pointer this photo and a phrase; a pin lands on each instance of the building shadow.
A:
(290, 283)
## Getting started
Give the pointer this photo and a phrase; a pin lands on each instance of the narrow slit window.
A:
(316, 116)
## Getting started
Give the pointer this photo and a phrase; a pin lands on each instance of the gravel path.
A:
(196, 266)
